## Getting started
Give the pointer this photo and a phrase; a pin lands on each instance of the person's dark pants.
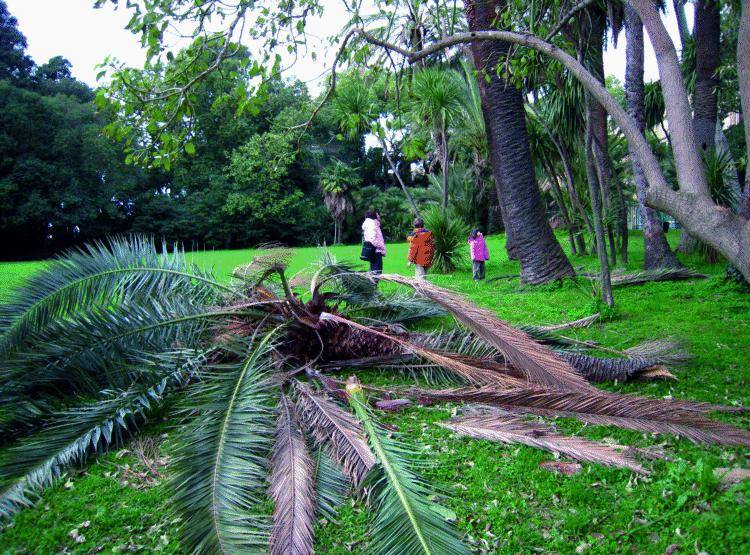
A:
(376, 263)
(478, 270)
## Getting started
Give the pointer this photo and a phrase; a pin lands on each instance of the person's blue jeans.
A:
(376, 263)
(478, 270)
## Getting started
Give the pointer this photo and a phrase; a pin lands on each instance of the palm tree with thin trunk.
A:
(658, 254)
(337, 180)
(436, 102)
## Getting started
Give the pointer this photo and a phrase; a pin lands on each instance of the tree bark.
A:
(528, 232)
(682, 24)
(656, 249)
(743, 71)
(707, 34)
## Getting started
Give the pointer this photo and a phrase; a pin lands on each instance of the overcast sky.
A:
(83, 35)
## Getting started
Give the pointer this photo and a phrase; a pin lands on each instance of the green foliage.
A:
(511, 512)
(449, 233)
(219, 478)
(405, 521)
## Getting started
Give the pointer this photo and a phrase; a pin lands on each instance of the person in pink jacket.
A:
(373, 244)
(479, 253)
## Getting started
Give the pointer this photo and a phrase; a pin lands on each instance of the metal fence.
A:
(635, 218)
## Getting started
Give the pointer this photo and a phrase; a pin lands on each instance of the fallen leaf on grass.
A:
(731, 476)
(560, 467)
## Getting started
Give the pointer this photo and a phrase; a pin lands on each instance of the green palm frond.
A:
(72, 434)
(331, 486)
(406, 521)
(97, 346)
(219, 478)
(99, 274)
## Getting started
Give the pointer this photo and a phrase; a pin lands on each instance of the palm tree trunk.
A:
(682, 25)
(529, 236)
(707, 53)
(394, 169)
(706, 34)
(743, 71)
(657, 251)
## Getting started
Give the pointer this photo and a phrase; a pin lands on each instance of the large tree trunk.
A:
(707, 34)
(743, 71)
(528, 232)
(657, 251)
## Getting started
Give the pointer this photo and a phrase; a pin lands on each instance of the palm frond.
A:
(598, 407)
(406, 522)
(337, 430)
(539, 363)
(98, 346)
(596, 369)
(292, 490)
(98, 274)
(72, 434)
(219, 477)
(580, 323)
(476, 374)
(507, 429)
(331, 486)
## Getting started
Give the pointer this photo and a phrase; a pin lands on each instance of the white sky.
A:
(83, 35)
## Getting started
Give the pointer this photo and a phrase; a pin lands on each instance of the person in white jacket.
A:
(372, 234)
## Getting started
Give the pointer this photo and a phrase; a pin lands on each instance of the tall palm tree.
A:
(529, 237)
(658, 254)
(436, 103)
(336, 183)
(95, 342)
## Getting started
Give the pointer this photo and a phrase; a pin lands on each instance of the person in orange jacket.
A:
(421, 249)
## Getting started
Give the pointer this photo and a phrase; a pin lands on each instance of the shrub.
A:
(449, 233)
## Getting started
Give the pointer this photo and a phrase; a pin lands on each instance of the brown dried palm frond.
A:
(580, 323)
(599, 407)
(508, 429)
(478, 375)
(291, 486)
(335, 428)
(538, 362)
(596, 369)
(646, 276)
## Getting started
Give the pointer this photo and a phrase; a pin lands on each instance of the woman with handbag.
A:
(373, 244)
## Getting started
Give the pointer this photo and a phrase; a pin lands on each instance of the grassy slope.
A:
(502, 499)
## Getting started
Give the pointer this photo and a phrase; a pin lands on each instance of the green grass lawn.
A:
(503, 500)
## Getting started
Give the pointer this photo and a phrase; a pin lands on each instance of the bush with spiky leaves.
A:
(449, 233)
(102, 336)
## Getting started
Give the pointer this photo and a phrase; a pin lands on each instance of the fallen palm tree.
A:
(95, 342)
(647, 276)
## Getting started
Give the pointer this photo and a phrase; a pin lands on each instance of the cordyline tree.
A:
(95, 342)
